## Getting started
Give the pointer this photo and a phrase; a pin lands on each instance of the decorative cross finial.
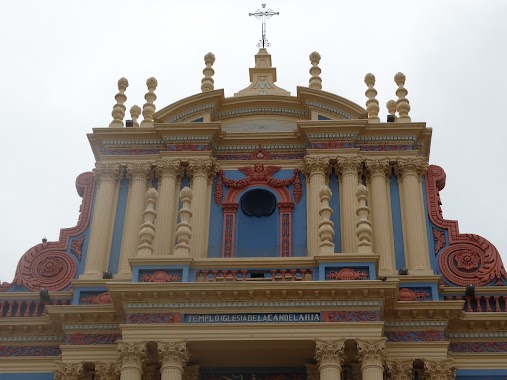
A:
(263, 14)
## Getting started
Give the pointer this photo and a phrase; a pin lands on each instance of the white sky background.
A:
(60, 62)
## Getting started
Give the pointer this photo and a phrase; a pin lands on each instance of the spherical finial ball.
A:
(135, 110)
(362, 191)
(151, 194)
(315, 57)
(123, 82)
(391, 106)
(369, 79)
(210, 57)
(325, 191)
(186, 193)
(399, 78)
(151, 82)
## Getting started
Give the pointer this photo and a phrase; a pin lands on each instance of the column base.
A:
(91, 276)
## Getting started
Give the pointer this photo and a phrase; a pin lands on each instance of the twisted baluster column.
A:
(315, 79)
(316, 171)
(184, 228)
(363, 225)
(119, 108)
(326, 226)
(149, 106)
(207, 83)
(147, 232)
(372, 106)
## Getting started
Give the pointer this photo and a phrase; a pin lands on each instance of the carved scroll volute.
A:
(173, 354)
(371, 352)
(330, 352)
(131, 354)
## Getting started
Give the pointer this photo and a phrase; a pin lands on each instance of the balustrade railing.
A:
(224, 275)
(481, 303)
(27, 308)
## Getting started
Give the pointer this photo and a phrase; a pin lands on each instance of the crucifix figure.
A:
(263, 14)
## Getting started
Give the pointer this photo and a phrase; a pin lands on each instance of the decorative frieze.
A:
(415, 336)
(11, 351)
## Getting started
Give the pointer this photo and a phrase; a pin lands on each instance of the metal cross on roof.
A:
(263, 14)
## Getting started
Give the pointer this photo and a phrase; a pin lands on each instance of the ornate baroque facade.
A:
(262, 236)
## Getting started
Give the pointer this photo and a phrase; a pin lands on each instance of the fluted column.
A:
(372, 356)
(410, 171)
(97, 258)
(138, 176)
(400, 369)
(168, 172)
(439, 370)
(200, 170)
(330, 355)
(316, 170)
(107, 370)
(174, 356)
(131, 356)
(348, 167)
(383, 243)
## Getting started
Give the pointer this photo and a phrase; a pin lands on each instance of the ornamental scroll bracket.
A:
(468, 259)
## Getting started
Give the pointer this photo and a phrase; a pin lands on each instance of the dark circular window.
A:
(258, 202)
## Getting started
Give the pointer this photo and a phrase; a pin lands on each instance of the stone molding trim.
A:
(468, 259)
(48, 265)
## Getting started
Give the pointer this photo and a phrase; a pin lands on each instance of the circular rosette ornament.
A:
(461, 264)
(52, 270)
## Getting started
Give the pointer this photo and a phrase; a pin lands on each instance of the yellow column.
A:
(174, 356)
(330, 355)
(410, 171)
(200, 170)
(383, 244)
(439, 369)
(348, 167)
(372, 355)
(97, 257)
(316, 170)
(168, 172)
(131, 356)
(138, 176)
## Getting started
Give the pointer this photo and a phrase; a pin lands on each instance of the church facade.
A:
(261, 236)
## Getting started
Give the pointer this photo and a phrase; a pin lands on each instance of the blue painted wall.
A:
(431, 242)
(27, 376)
(399, 250)
(258, 237)
(481, 374)
(335, 205)
(119, 220)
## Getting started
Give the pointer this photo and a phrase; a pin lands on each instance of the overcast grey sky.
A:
(60, 61)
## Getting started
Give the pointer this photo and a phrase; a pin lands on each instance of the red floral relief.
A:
(160, 276)
(48, 265)
(77, 246)
(100, 299)
(469, 259)
(439, 237)
(406, 294)
(347, 274)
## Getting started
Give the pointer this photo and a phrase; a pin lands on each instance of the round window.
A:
(258, 202)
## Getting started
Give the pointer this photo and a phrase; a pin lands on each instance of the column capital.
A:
(138, 171)
(131, 354)
(107, 172)
(414, 166)
(199, 167)
(330, 352)
(173, 353)
(107, 370)
(64, 371)
(315, 165)
(372, 351)
(348, 164)
(439, 369)
(400, 369)
(377, 167)
(169, 168)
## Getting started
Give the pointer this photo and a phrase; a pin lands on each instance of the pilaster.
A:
(381, 217)
(138, 175)
(316, 170)
(168, 173)
(410, 171)
(348, 167)
(97, 259)
(200, 170)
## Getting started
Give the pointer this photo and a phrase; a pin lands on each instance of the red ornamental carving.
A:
(347, 274)
(100, 299)
(86, 339)
(142, 318)
(406, 294)
(160, 276)
(77, 246)
(439, 240)
(469, 259)
(350, 316)
(48, 265)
